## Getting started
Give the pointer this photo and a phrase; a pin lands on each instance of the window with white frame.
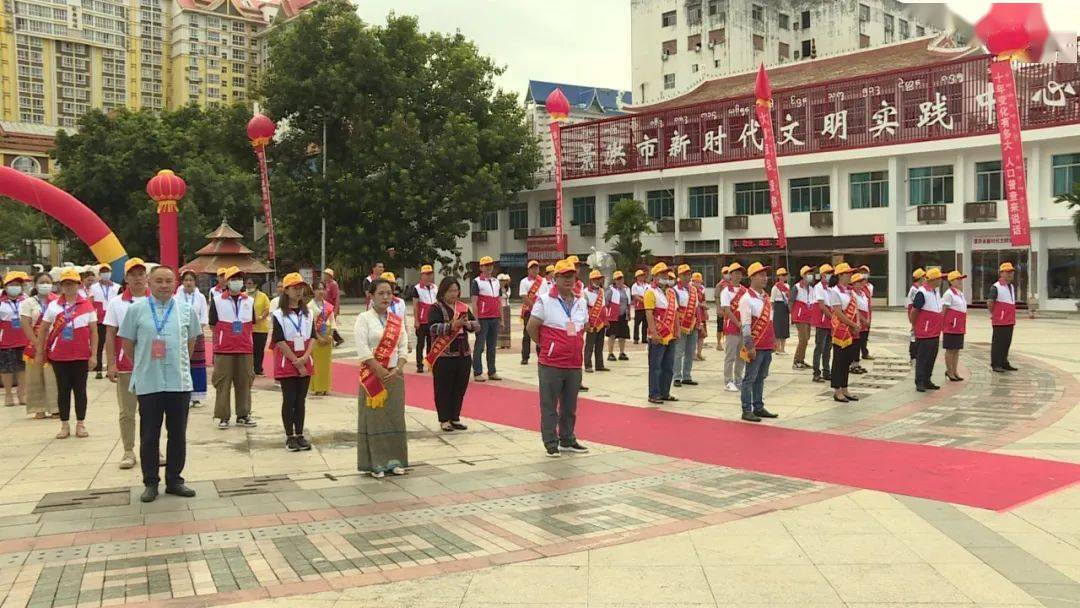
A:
(988, 181)
(752, 198)
(930, 185)
(703, 201)
(869, 189)
(518, 216)
(661, 204)
(1066, 173)
(810, 194)
(584, 210)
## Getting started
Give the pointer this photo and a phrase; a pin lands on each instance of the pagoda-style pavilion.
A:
(224, 250)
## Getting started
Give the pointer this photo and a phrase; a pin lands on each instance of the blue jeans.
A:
(685, 350)
(661, 369)
(487, 338)
(753, 384)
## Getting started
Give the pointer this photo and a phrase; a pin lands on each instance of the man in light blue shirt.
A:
(160, 331)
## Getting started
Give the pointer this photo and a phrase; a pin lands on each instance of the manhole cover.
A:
(247, 486)
(84, 499)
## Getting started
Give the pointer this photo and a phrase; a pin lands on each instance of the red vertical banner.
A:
(764, 118)
(1012, 152)
(260, 152)
(556, 142)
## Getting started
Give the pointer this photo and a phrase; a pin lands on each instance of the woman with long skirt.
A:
(40, 383)
(382, 345)
(291, 337)
(780, 295)
(325, 326)
(197, 301)
(69, 342)
(449, 358)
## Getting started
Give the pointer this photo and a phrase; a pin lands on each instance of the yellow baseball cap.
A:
(426, 268)
(329, 271)
(222, 270)
(134, 263)
(804, 270)
(781, 271)
(232, 271)
(918, 274)
(389, 276)
(573, 259)
(486, 261)
(639, 273)
(103, 267)
(533, 263)
(565, 267)
(843, 268)
(956, 274)
(855, 278)
(618, 275)
(755, 268)
(864, 268)
(825, 268)
(1006, 267)
(596, 274)
(70, 274)
(549, 268)
(659, 268)
(724, 270)
(696, 276)
(683, 268)
(735, 266)
(933, 273)
(293, 278)
(14, 275)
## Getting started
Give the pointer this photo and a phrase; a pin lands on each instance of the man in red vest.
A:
(487, 306)
(758, 340)
(927, 321)
(1002, 301)
(425, 299)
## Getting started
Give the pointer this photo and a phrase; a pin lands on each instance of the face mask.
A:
(44, 289)
(14, 290)
(106, 276)
(236, 286)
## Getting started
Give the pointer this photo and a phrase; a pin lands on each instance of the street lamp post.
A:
(322, 254)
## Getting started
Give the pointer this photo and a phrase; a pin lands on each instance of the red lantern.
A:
(1014, 31)
(260, 130)
(558, 108)
(166, 188)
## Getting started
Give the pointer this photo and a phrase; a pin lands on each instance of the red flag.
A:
(763, 92)
(1012, 152)
(556, 141)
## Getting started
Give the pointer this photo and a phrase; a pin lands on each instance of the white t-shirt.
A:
(197, 301)
(726, 296)
(117, 309)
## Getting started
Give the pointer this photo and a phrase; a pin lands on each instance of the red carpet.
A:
(978, 479)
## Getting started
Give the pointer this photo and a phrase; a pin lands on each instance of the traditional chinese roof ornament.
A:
(1014, 31)
(762, 88)
(557, 106)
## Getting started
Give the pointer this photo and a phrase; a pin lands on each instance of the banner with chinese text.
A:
(1012, 153)
(776, 202)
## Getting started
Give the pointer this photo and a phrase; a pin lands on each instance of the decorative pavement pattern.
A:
(246, 539)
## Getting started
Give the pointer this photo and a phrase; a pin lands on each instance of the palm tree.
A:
(627, 223)
(1072, 199)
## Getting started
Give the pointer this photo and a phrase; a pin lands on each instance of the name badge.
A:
(68, 333)
(298, 344)
(16, 323)
(157, 348)
(237, 328)
(571, 329)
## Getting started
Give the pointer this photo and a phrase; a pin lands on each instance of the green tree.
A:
(20, 223)
(419, 140)
(107, 163)
(627, 223)
(1072, 201)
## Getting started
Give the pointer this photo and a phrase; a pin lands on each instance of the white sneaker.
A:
(128, 461)
(731, 388)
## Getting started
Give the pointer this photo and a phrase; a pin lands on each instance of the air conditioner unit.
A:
(664, 56)
(795, 25)
(797, 54)
(712, 45)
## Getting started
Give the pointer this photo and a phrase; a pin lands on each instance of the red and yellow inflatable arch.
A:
(67, 210)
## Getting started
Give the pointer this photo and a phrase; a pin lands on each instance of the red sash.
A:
(689, 314)
(373, 386)
(733, 326)
(841, 332)
(29, 351)
(530, 297)
(597, 314)
(665, 324)
(439, 346)
(761, 326)
(322, 322)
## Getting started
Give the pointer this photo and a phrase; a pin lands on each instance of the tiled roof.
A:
(608, 101)
(208, 264)
(224, 231)
(921, 51)
(245, 8)
(27, 138)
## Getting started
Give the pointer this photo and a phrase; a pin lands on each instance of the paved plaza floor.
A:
(963, 497)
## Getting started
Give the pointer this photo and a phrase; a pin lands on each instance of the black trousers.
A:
(640, 324)
(822, 350)
(451, 376)
(1000, 341)
(863, 350)
(594, 349)
(926, 350)
(259, 341)
(526, 343)
(860, 347)
(100, 346)
(71, 379)
(842, 358)
(293, 403)
(423, 343)
(173, 409)
(912, 348)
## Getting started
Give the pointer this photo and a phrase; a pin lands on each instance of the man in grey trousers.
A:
(557, 325)
(729, 308)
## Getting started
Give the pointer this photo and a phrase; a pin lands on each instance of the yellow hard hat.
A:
(231, 272)
(843, 268)
(735, 266)
(573, 259)
(486, 261)
(70, 274)
(804, 270)
(389, 276)
(639, 273)
(618, 275)
(549, 268)
(683, 268)
(1006, 267)
(533, 263)
(696, 276)
(426, 268)
(855, 278)
(825, 268)
(781, 271)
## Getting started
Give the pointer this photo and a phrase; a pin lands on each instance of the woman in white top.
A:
(381, 446)
(954, 307)
(40, 383)
(190, 294)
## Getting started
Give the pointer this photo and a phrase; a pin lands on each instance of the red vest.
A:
(123, 360)
(955, 321)
(930, 321)
(228, 309)
(558, 348)
(800, 311)
(78, 318)
(488, 302)
(30, 349)
(11, 330)
(1003, 311)
(283, 368)
(425, 299)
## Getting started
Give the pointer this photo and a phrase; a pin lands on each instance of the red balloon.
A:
(557, 106)
(1014, 28)
(166, 186)
(260, 129)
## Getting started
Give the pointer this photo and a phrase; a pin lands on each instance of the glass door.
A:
(984, 272)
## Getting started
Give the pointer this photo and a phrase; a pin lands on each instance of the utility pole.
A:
(322, 255)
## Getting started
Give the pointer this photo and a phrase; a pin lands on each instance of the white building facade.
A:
(894, 169)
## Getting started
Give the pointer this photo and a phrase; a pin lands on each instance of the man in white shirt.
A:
(821, 313)
(529, 289)
(729, 308)
(119, 363)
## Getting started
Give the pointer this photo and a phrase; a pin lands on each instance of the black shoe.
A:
(291, 445)
(690, 382)
(98, 376)
(553, 451)
(303, 443)
(583, 388)
(838, 399)
(851, 397)
(750, 417)
(457, 426)
(603, 369)
(826, 375)
(623, 357)
(575, 447)
(921, 389)
(419, 369)
(611, 357)
(180, 490)
(588, 370)
(953, 378)
(149, 494)
(764, 413)
(524, 361)
(655, 400)
(1010, 368)
(677, 383)
(868, 357)
(933, 387)
(1000, 370)
(818, 378)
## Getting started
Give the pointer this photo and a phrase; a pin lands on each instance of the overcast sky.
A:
(585, 42)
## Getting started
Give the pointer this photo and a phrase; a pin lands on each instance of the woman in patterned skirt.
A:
(197, 301)
(40, 383)
(382, 345)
